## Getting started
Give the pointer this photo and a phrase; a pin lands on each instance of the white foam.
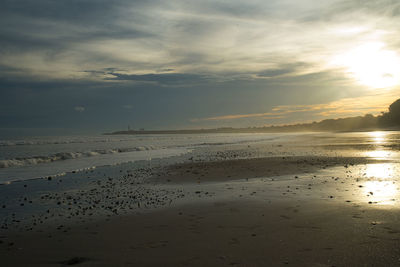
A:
(68, 155)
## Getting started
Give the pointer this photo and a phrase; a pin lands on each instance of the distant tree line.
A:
(387, 120)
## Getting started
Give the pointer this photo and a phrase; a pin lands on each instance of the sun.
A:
(373, 65)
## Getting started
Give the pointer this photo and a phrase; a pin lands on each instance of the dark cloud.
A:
(163, 78)
(71, 11)
(42, 25)
(282, 70)
(270, 73)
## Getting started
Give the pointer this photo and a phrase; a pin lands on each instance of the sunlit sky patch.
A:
(194, 64)
(372, 65)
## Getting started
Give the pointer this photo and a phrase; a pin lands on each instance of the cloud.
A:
(235, 116)
(212, 37)
(274, 73)
(127, 106)
(284, 69)
(344, 108)
(48, 35)
(161, 78)
(79, 109)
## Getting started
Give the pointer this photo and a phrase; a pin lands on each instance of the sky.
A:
(101, 65)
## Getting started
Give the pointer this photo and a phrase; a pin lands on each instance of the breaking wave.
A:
(67, 155)
(5, 143)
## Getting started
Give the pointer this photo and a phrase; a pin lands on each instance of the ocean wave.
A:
(5, 143)
(67, 155)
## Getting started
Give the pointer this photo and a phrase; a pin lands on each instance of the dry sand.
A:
(288, 223)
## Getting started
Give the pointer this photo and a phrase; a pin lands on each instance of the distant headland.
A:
(386, 121)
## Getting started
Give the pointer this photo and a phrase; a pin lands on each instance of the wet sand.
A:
(292, 215)
(224, 234)
(235, 169)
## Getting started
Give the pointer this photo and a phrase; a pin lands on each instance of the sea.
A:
(41, 157)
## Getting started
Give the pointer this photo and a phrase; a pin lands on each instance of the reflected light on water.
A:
(378, 154)
(378, 137)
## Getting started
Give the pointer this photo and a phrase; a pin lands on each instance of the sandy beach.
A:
(223, 234)
(200, 133)
(268, 211)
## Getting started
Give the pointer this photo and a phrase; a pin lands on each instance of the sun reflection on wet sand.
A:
(380, 188)
(381, 192)
(379, 171)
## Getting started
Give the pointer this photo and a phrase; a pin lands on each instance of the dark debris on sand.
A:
(74, 261)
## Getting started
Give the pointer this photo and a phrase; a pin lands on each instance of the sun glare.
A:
(372, 65)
